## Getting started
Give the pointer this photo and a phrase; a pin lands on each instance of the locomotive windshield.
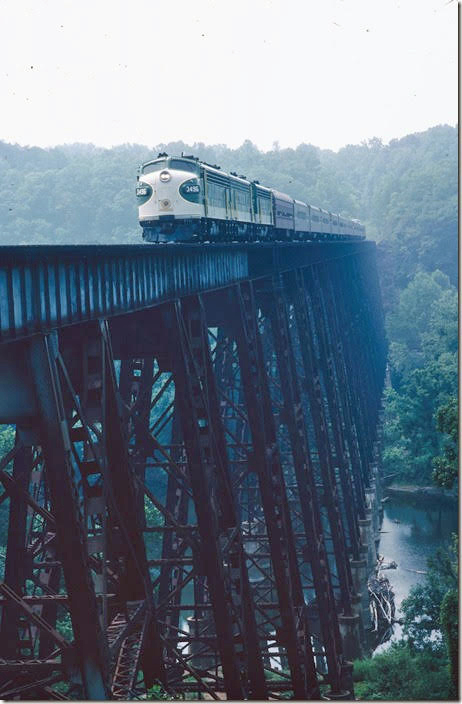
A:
(180, 164)
(153, 166)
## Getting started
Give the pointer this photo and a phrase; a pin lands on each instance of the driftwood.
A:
(389, 565)
(381, 602)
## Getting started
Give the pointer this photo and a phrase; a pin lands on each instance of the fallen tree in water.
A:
(381, 603)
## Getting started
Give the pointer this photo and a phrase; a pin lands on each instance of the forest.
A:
(406, 194)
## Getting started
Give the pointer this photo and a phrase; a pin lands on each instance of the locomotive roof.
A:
(240, 179)
(282, 196)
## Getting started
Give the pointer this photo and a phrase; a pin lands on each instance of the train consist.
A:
(181, 199)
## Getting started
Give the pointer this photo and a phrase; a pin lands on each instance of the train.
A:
(184, 199)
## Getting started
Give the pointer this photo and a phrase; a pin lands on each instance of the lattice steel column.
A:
(16, 553)
(323, 326)
(92, 651)
(276, 308)
(313, 389)
(222, 555)
(335, 347)
(273, 493)
(347, 322)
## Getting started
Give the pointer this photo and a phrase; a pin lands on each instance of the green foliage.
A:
(64, 626)
(449, 620)
(402, 674)
(422, 607)
(446, 465)
(7, 435)
(422, 330)
(157, 692)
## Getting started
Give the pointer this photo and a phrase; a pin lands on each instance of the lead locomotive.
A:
(181, 199)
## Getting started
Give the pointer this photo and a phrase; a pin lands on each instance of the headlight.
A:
(164, 176)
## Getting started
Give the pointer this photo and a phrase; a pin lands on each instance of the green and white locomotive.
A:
(182, 199)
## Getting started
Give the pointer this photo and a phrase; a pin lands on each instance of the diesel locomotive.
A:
(183, 199)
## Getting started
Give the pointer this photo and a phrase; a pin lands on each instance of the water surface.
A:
(410, 535)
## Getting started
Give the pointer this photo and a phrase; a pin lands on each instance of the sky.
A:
(325, 72)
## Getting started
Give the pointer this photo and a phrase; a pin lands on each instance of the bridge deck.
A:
(46, 287)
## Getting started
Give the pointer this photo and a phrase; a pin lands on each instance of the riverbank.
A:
(420, 494)
(411, 532)
(413, 529)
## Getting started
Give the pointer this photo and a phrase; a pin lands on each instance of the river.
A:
(411, 533)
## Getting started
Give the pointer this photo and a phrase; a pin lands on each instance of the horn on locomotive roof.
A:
(160, 154)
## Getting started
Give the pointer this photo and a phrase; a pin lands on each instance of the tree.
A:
(422, 608)
(449, 619)
(402, 674)
(446, 466)
(422, 329)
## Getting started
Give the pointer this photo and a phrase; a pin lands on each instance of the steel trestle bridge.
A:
(193, 492)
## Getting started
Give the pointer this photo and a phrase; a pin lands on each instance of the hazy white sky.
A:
(328, 72)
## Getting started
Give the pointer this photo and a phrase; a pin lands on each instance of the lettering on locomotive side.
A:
(143, 193)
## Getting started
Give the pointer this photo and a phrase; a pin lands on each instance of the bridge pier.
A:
(360, 574)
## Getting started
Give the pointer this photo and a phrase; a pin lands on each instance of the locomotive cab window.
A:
(155, 166)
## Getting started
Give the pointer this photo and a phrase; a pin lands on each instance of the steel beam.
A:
(272, 488)
(213, 502)
(313, 389)
(276, 309)
(55, 441)
(15, 563)
(323, 325)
